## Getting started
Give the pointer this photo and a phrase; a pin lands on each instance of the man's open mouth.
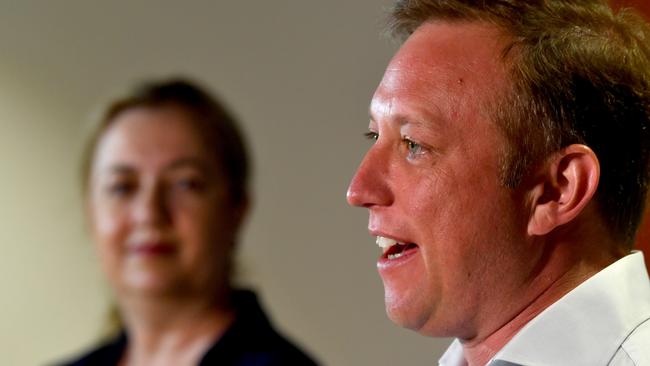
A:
(393, 249)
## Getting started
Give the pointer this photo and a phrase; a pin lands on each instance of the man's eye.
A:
(371, 135)
(414, 149)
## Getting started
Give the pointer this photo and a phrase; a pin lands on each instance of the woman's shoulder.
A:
(105, 354)
(253, 340)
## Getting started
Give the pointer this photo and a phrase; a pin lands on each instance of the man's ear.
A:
(565, 185)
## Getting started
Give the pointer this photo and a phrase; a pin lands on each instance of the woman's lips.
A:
(152, 248)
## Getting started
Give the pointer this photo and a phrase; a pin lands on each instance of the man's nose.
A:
(370, 184)
(151, 208)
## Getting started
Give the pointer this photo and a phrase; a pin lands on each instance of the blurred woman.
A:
(166, 190)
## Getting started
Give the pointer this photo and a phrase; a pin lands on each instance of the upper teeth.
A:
(385, 242)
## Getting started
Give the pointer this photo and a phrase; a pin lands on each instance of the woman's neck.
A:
(167, 331)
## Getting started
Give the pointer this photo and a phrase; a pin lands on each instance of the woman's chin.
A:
(150, 283)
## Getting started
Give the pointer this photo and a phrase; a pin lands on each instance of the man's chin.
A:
(420, 319)
(407, 314)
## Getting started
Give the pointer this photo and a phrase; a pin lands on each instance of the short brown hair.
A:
(579, 74)
(216, 125)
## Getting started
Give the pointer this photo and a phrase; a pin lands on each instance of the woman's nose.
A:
(150, 208)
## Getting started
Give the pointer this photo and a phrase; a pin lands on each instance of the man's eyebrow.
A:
(402, 119)
(402, 114)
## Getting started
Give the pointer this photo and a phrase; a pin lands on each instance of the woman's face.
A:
(159, 208)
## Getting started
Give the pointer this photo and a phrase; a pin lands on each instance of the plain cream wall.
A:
(299, 74)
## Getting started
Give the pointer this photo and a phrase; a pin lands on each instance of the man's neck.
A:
(562, 274)
(479, 352)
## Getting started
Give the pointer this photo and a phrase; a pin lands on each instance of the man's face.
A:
(431, 182)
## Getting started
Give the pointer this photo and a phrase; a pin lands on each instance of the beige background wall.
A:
(299, 73)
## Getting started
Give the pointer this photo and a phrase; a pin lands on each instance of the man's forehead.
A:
(439, 47)
(403, 104)
(442, 64)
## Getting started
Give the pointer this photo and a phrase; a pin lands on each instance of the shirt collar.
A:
(453, 356)
(584, 327)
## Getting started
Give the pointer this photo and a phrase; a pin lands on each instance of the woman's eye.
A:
(371, 135)
(191, 184)
(121, 189)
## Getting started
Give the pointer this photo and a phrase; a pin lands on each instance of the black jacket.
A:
(250, 341)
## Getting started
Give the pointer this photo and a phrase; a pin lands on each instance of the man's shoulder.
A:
(603, 321)
(635, 350)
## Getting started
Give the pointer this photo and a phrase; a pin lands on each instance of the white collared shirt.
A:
(605, 321)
